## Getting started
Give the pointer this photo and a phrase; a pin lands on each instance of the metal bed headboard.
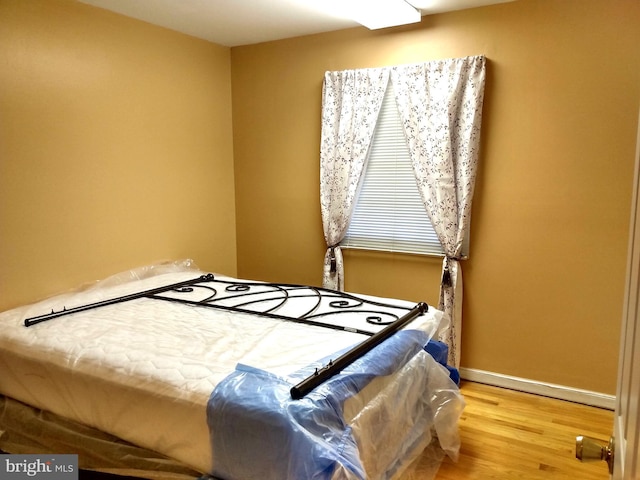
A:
(289, 302)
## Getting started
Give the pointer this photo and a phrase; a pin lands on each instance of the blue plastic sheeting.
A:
(258, 432)
(440, 352)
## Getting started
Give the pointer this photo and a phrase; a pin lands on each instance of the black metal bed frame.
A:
(287, 302)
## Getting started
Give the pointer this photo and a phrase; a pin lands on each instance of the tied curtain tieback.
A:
(333, 258)
(446, 275)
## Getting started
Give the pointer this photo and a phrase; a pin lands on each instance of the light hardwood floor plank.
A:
(510, 435)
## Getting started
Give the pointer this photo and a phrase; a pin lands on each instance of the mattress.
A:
(145, 370)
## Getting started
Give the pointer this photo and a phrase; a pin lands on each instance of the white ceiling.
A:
(242, 22)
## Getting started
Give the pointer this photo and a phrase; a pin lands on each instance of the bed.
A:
(168, 372)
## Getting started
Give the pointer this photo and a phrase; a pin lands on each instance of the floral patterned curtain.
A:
(440, 104)
(351, 101)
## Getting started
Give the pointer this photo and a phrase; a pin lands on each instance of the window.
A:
(389, 214)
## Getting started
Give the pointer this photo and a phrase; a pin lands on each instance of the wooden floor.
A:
(513, 435)
(508, 435)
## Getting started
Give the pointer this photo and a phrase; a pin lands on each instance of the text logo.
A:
(39, 467)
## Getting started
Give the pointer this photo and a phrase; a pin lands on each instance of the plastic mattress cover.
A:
(343, 429)
(27, 430)
(321, 436)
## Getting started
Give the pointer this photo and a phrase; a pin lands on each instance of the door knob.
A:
(588, 449)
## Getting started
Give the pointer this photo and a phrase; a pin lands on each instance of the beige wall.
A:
(115, 148)
(116, 151)
(544, 284)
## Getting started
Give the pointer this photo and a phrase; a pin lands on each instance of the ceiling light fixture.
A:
(373, 14)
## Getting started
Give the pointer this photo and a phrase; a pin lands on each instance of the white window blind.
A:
(389, 214)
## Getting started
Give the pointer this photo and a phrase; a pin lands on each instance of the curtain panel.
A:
(440, 104)
(351, 101)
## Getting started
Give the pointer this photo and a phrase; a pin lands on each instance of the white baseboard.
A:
(561, 392)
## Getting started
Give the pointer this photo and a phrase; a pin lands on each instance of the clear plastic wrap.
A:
(370, 421)
(26, 430)
(147, 271)
(121, 278)
(432, 419)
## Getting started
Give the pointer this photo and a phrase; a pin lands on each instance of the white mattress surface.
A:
(143, 370)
